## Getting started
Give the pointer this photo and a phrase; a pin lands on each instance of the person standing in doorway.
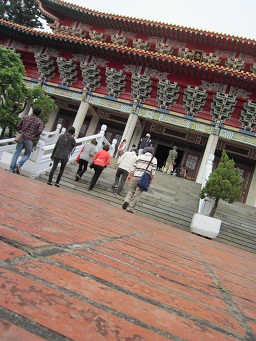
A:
(87, 152)
(170, 161)
(100, 161)
(144, 142)
(140, 165)
(31, 126)
(124, 165)
(63, 148)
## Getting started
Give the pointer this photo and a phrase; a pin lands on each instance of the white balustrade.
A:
(205, 205)
(40, 160)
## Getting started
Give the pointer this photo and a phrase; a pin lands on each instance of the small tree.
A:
(12, 88)
(225, 183)
(42, 100)
(14, 95)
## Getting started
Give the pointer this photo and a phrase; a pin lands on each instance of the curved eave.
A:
(151, 28)
(126, 55)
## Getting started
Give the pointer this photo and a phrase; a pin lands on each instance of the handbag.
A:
(78, 158)
(18, 137)
(91, 165)
(79, 155)
(144, 181)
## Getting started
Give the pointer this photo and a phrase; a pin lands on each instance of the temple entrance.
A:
(162, 153)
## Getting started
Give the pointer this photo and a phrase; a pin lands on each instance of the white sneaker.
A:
(130, 210)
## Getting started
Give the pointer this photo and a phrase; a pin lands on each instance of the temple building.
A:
(188, 88)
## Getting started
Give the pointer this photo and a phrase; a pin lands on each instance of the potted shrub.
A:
(225, 183)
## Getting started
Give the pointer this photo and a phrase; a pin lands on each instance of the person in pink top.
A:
(100, 161)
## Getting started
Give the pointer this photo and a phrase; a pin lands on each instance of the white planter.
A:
(205, 226)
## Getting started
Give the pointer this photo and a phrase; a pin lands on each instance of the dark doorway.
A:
(162, 153)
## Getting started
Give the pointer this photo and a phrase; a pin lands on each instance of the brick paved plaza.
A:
(76, 268)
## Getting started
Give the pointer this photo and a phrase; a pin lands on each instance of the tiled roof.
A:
(172, 64)
(153, 28)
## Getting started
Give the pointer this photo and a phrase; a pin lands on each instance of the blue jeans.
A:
(24, 144)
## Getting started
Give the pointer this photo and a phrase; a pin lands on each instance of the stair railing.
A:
(205, 205)
(40, 160)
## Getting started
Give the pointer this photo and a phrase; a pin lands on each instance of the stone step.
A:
(172, 201)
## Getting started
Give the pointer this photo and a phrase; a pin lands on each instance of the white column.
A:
(80, 116)
(27, 108)
(136, 136)
(210, 149)
(92, 126)
(49, 125)
(251, 197)
(129, 128)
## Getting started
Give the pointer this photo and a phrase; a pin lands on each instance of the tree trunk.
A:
(214, 208)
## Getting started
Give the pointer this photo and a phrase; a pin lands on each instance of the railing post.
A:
(100, 139)
(114, 142)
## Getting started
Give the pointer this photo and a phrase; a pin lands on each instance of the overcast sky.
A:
(234, 17)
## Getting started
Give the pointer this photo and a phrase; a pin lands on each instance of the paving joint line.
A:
(234, 310)
(144, 299)
(100, 306)
(31, 326)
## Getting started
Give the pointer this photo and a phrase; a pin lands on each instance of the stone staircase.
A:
(173, 201)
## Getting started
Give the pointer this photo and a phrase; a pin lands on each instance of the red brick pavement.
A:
(74, 268)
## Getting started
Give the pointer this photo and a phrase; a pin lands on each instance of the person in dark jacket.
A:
(64, 146)
(144, 142)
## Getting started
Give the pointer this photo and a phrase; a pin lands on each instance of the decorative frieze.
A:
(132, 68)
(155, 73)
(194, 100)
(91, 76)
(141, 87)
(234, 91)
(16, 45)
(186, 53)
(167, 93)
(45, 65)
(119, 39)
(141, 44)
(225, 54)
(97, 36)
(115, 82)
(213, 86)
(70, 30)
(248, 116)
(222, 107)
(163, 48)
(67, 70)
(153, 127)
(253, 68)
(61, 103)
(36, 48)
(235, 64)
(210, 59)
(52, 52)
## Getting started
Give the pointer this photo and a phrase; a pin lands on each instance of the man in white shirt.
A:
(136, 172)
(124, 165)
